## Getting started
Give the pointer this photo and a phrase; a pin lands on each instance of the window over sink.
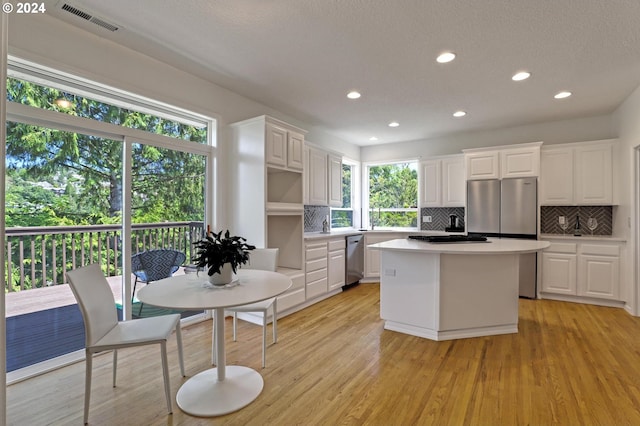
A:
(393, 195)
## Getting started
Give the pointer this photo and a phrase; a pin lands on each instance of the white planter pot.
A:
(224, 277)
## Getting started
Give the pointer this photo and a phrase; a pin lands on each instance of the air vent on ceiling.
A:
(88, 17)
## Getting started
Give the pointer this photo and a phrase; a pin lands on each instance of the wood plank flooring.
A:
(570, 364)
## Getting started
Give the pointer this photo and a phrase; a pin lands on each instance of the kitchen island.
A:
(444, 291)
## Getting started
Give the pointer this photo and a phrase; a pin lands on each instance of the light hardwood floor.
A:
(570, 364)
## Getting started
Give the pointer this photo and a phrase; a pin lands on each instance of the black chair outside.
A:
(154, 265)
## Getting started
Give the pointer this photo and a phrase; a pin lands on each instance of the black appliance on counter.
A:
(454, 224)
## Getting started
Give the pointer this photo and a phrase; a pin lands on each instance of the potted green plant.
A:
(221, 254)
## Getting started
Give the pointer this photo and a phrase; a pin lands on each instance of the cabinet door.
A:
(317, 177)
(483, 165)
(453, 182)
(335, 181)
(305, 176)
(430, 183)
(594, 174)
(372, 256)
(295, 151)
(276, 149)
(559, 273)
(520, 162)
(598, 276)
(336, 269)
(556, 177)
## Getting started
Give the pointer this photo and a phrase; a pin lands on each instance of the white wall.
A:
(627, 121)
(581, 129)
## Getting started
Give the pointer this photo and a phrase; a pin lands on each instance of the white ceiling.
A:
(301, 57)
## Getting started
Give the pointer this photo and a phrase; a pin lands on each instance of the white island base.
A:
(443, 296)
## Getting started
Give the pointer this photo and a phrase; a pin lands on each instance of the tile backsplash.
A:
(549, 219)
(313, 217)
(440, 217)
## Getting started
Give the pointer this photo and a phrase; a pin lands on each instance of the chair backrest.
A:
(96, 301)
(158, 263)
(263, 258)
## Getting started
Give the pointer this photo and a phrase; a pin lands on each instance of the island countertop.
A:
(491, 246)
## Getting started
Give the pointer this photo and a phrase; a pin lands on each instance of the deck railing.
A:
(39, 256)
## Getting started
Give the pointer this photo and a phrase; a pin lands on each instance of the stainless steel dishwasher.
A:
(354, 270)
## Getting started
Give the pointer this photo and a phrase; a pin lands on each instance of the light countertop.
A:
(346, 232)
(584, 237)
(491, 246)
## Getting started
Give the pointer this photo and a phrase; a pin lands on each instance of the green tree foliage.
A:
(56, 177)
(393, 186)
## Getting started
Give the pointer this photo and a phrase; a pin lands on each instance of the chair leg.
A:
(133, 293)
(179, 342)
(275, 320)
(87, 384)
(115, 366)
(165, 373)
(235, 322)
(264, 338)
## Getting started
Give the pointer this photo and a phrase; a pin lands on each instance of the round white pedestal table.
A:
(223, 389)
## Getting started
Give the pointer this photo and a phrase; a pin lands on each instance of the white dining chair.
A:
(265, 259)
(104, 332)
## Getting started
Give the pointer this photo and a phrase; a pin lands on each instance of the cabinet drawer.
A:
(604, 250)
(316, 288)
(337, 244)
(315, 265)
(562, 248)
(316, 275)
(316, 251)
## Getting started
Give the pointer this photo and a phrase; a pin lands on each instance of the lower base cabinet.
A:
(336, 263)
(316, 269)
(582, 269)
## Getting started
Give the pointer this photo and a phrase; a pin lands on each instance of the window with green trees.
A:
(393, 195)
(342, 217)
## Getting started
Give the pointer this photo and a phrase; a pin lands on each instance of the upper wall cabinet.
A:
(578, 174)
(285, 147)
(317, 177)
(442, 182)
(511, 161)
(323, 178)
(335, 180)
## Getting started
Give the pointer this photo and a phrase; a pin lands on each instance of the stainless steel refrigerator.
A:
(506, 208)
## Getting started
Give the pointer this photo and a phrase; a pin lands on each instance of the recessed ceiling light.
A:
(353, 95)
(445, 57)
(394, 124)
(459, 114)
(562, 95)
(522, 75)
(373, 139)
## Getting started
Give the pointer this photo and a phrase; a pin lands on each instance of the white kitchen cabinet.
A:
(520, 162)
(335, 180)
(295, 295)
(586, 270)
(430, 183)
(318, 179)
(482, 165)
(284, 147)
(598, 271)
(265, 195)
(442, 182)
(594, 174)
(556, 176)
(559, 273)
(578, 174)
(509, 161)
(372, 256)
(316, 255)
(336, 263)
